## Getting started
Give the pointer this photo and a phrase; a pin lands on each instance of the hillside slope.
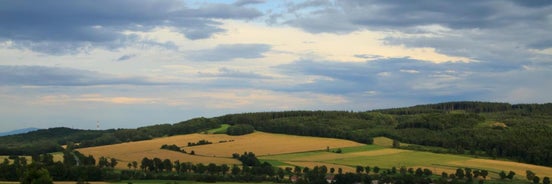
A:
(18, 131)
(219, 152)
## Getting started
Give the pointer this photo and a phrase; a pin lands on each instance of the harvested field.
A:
(259, 143)
(136, 151)
(307, 156)
(262, 143)
(289, 150)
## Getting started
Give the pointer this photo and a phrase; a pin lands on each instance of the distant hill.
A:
(521, 132)
(18, 131)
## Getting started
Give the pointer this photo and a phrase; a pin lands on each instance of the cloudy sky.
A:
(130, 63)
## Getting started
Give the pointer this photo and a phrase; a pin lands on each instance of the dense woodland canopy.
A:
(522, 132)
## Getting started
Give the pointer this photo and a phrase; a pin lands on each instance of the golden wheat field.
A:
(262, 143)
(259, 143)
(290, 150)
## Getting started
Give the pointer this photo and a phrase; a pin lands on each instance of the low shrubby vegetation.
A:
(172, 147)
(240, 129)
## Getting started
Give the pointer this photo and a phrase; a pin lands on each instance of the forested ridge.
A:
(521, 132)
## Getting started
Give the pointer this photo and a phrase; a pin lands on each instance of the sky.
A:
(127, 63)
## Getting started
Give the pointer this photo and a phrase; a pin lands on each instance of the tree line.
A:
(77, 167)
(525, 133)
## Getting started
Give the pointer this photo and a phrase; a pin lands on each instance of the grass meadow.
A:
(386, 158)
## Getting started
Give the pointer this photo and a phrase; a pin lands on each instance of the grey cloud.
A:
(101, 23)
(55, 76)
(294, 7)
(541, 45)
(231, 73)
(228, 52)
(534, 3)
(367, 56)
(395, 78)
(126, 57)
(224, 11)
(248, 2)
(380, 14)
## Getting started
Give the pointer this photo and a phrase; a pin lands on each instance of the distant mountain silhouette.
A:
(18, 131)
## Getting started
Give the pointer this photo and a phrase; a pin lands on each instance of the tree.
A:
(212, 168)
(376, 169)
(460, 173)
(511, 175)
(235, 170)
(323, 169)
(113, 163)
(503, 175)
(281, 173)
(157, 164)
(359, 169)
(427, 172)
(289, 171)
(476, 173)
(167, 165)
(444, 175)
(419, 172)
(484, 173)
(224, 169)
(546, 180)
(134, 164)
(536, 179)
(297, 170)
(402, 170)
(90, 160)
(305, 170)
(103, 162)
(146, 164)
(529, 175)
(177, 166)
(37, 175)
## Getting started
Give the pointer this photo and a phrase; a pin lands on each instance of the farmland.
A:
(289, 151)
(373, 155)
(219, 152)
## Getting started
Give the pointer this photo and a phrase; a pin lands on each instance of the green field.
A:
(221, 130)
(385, 157)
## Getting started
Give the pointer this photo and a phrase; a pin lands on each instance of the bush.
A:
(240, 129)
